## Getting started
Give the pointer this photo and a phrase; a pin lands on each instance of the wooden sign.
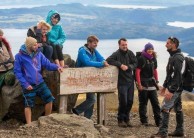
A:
(88, 79)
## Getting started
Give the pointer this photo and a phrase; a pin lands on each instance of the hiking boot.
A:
(158, 124)
(129, 124)
(158, 135)
(176, 134)
(74, 111)
(122, 124)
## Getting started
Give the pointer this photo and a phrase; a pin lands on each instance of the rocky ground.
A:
(13, 128)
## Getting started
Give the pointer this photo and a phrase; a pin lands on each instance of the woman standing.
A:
(147, 83)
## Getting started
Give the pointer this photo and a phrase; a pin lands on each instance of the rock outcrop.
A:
(58, 125)
(11, 99)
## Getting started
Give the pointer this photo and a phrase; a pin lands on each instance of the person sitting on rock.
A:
(6, 62)
(39, 32)
(27, 69)
(56, 37)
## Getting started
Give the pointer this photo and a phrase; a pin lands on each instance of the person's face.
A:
(33, 48)
(44, 30)
(123, 45)
(170, 45)
(92, 45)
(54, 21)
(150, 51)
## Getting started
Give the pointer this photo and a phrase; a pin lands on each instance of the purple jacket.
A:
(27, 68)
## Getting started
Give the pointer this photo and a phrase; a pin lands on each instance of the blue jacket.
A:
(56, 35)
(27, 68)
(87, 59)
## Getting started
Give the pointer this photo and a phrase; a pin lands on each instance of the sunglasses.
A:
(173, 39)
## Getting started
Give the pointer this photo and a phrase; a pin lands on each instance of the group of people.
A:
(43, 46)
(42, 50)
(146, 77)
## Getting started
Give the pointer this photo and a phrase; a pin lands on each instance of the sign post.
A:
(88, 79)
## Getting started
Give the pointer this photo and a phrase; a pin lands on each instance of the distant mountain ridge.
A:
(79, 21)
(168, 3)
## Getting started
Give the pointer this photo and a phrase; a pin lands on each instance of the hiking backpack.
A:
(6, 61)
(188, 74)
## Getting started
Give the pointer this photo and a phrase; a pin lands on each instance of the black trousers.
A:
(125, 97)
(57, 52)
(144, 96)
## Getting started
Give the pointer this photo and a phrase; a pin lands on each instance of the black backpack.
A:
(188, 74)
(138, 55)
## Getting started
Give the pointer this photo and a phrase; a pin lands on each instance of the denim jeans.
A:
(125, 97)
(144, 96)
(176, 103)
(87, 106)
(48, 52)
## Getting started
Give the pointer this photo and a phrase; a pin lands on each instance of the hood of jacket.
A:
(24, 51)
(49, 15)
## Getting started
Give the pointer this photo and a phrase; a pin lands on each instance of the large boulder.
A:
(57, 125)
(11, 98)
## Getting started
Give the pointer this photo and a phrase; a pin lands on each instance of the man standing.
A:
(88, 56)
(172, 90)
(126, 61)
(27, 68)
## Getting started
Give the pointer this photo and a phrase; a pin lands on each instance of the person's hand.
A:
(168, 95)
(39, 25)
(66, 66)
(60, 69)
(39, 44)
(140, 87)
(29, 88)
(162, 91)
(106, 64)
(124, 67)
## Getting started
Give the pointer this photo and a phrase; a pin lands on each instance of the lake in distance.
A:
(16, 38)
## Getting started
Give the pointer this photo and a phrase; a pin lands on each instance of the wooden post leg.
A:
(101, 108)
(63, 104)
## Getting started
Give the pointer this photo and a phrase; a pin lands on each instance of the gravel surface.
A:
(13, 128)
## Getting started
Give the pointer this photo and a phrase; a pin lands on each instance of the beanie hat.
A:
(148, 46)
(30, 41)
(1, 31)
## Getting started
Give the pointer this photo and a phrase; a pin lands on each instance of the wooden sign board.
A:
(88, 79)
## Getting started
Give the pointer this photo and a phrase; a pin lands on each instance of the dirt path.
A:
(137, 131)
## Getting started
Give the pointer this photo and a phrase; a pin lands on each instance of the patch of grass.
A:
(112, 103)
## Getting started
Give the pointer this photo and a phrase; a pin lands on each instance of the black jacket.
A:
(127, 58)
(173, 81)
(36, 33)
(147, 67)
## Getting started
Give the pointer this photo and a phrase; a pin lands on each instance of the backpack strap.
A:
(184, 62)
